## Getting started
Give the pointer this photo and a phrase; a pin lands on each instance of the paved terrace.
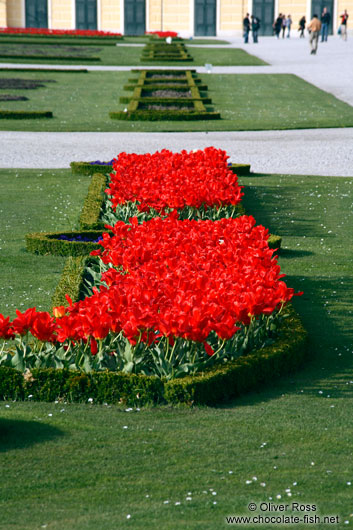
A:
(310, 152)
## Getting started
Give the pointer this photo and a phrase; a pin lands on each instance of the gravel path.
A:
(310, 152)
(307, 152)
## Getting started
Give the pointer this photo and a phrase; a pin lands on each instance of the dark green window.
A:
(205, 17)
(36, 13)
(134, 17)
(86, 14)
(265, 11)
(317, 7)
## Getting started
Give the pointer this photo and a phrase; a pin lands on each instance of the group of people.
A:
(317, 27)
(251, 24)
(281, 24)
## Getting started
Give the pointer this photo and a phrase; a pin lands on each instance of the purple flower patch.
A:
(80, 238)
(99, 163)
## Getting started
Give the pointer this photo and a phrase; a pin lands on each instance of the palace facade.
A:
(220, 18)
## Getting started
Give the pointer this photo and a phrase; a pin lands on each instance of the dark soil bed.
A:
(170, 94)
(19, 83)
(10, 97)
(166, 76)
(166, 107)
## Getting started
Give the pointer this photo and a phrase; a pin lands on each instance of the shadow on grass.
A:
(289, 253)
(20, 434)
(254, 199)
(329, 365)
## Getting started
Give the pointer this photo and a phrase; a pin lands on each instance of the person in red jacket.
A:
(343, 26)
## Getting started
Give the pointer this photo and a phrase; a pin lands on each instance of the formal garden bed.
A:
(78, 105)
(56, 52)
(224, 355)
(180, 98)
(164, 51)
(17, 83)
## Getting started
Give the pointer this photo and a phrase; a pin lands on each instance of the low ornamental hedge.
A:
(48, 243)
(93, 204)
(88, 168)
(162, 51)
(71, 280)
(191, 108)
(24, 115)
(47, 70)
(218, 385)
(171, 115)
(51, 57)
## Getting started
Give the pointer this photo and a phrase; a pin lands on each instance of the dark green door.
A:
(134, 17)
(86, 14)
(36, 13)
(317, 7)
(265, 11)
(205, 17)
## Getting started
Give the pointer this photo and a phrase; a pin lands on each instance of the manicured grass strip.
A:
(262, 102)
(128, 56)
(293, 435)
(34, 200)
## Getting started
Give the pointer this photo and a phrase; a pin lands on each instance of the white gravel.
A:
(308, 152)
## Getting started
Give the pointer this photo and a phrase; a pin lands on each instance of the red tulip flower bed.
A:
(58, 32)
(163, 34)
(171, 297)
(197, 184)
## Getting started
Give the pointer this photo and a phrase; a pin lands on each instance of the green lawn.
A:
(82, 101)
(34, 200)
(88, 467)
(122, 55)
(143, 39)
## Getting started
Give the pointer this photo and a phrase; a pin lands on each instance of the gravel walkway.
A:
(308, 152)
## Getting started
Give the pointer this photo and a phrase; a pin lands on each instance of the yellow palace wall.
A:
(61, 14)
(177, 14)
(109, 15)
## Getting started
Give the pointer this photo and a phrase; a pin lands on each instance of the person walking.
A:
(325, 24)
(343, 26)
(255, 26)
(289, 22)
(246, 28)
(301, 28)
(314, 28)
(277, 25)
(284, 25)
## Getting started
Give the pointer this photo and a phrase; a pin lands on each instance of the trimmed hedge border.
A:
(71, 280)
(92, 206)
(153, 115)
(161, 51)
(24, 115)
(47, 70)
(51, 57)
(47, 243)
(219, 385)
(86, 168)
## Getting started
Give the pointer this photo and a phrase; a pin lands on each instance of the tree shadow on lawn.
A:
(272, 216)
(329, 364)
(20, 434)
